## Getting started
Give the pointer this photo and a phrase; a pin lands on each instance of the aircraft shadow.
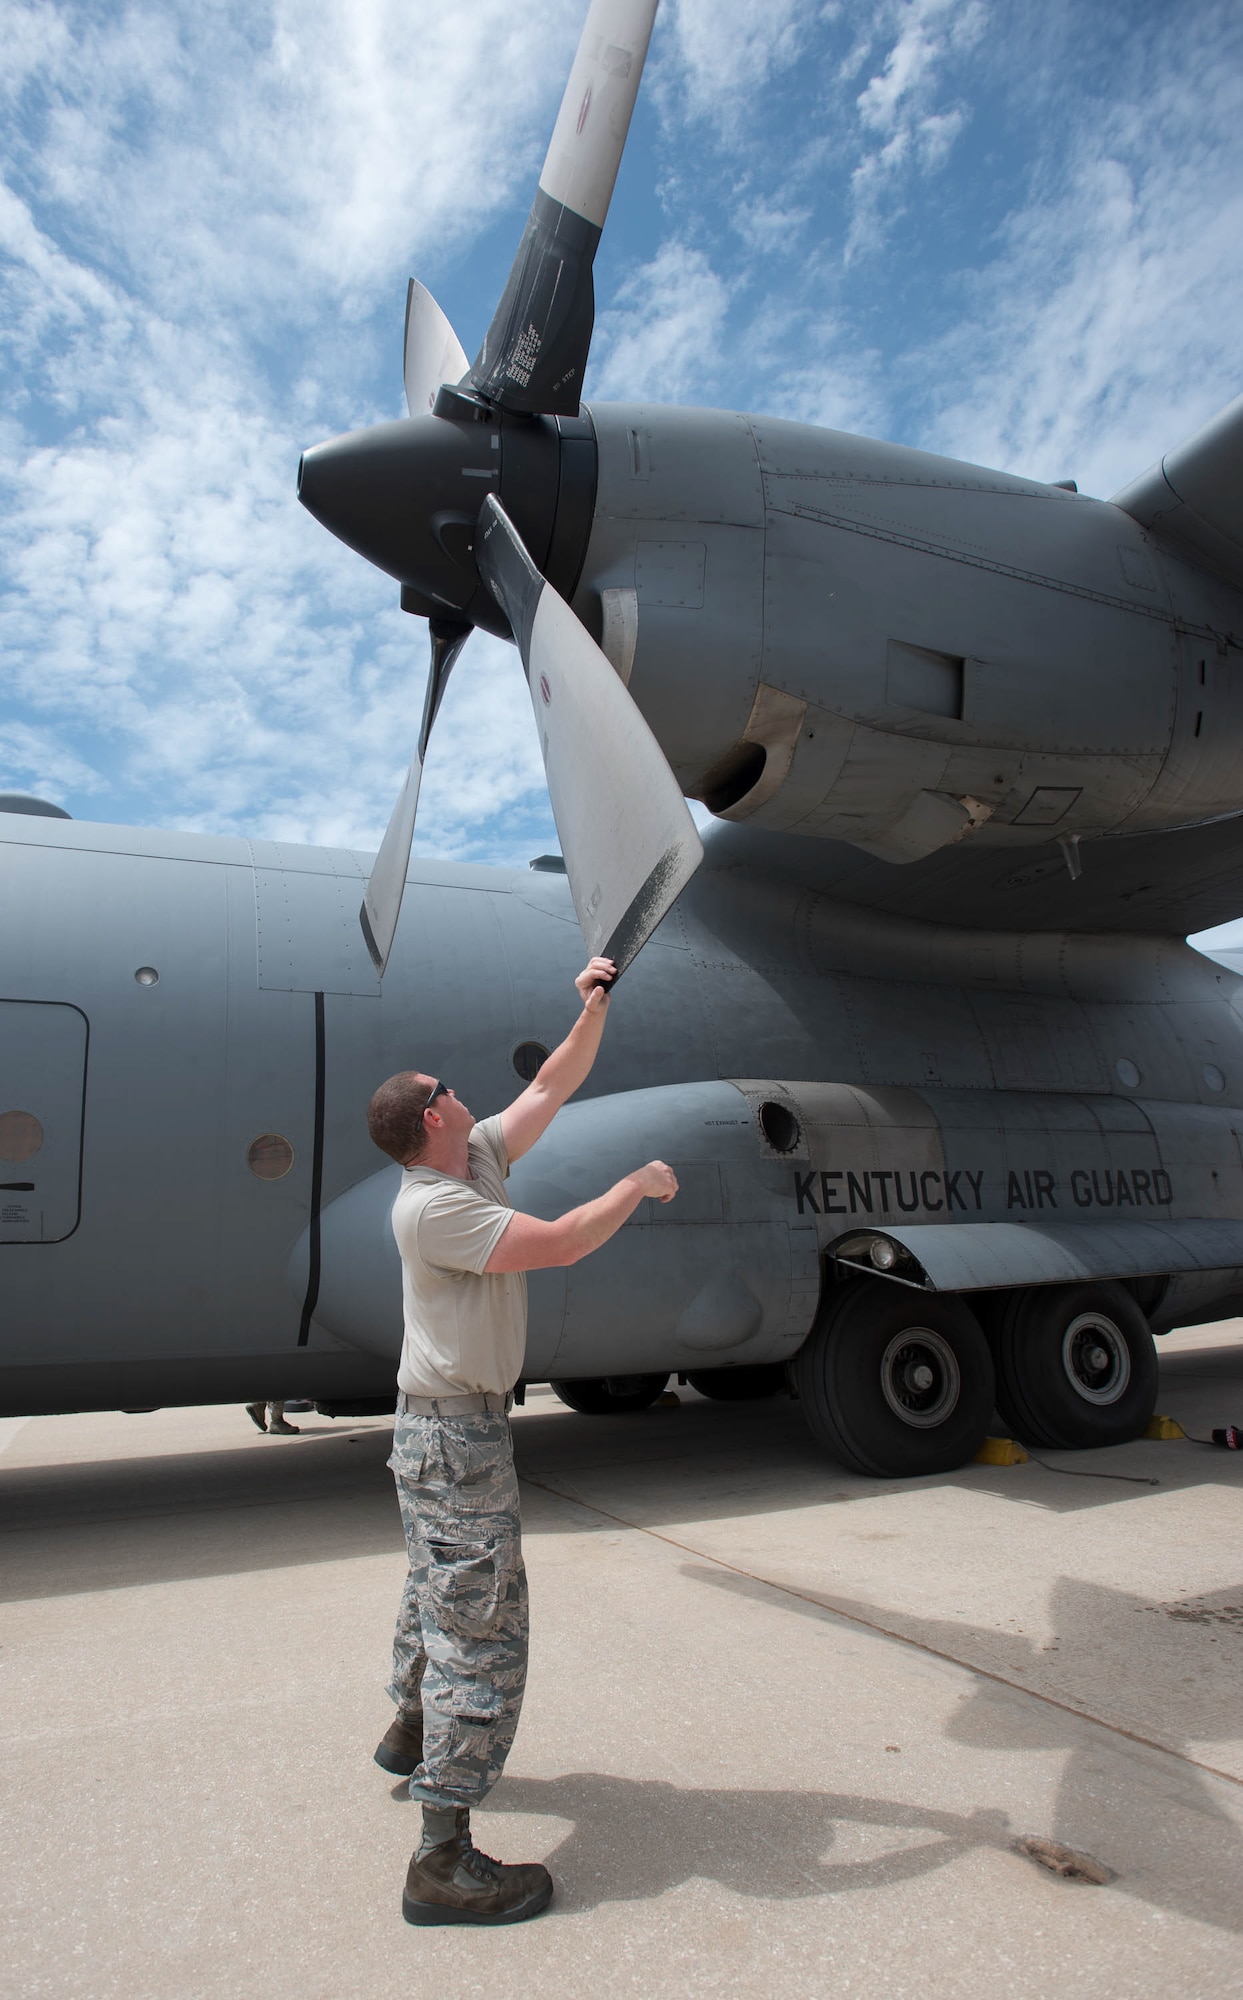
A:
(269, 1504)
(1204, 1860)
(326, 1495)
(710, 1461)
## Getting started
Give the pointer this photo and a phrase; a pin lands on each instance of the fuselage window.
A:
(21, 1135)
(269, 1157)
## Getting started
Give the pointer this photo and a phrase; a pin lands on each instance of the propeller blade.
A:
(629, 842)
(432, 353)
(382, 901)
(534, 353)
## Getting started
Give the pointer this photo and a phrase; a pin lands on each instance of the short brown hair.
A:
(395, 1114)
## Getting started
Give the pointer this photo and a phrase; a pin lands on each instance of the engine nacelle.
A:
(850, 639)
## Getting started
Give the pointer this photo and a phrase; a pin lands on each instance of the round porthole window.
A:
(269, 1157)
(147, 975)
(529, 1060)
(21, 1135)
(1127, 1072)
(1213, 1077)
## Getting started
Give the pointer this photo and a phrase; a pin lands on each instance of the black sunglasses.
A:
(439, 1090)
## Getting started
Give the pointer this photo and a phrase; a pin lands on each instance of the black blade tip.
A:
(377, 956)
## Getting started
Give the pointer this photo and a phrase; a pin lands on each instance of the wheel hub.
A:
(920, 1377)
(1096, 1358)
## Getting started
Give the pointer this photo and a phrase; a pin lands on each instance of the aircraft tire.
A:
(896, 1383)
(610, 1395)
(1076, 1366)
(739, 1385)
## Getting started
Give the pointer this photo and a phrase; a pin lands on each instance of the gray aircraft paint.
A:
(967, 655)
(923, 1012)
(903, 1047)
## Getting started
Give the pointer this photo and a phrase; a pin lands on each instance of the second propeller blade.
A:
(386, 885)
(628, 839)
(432, 352)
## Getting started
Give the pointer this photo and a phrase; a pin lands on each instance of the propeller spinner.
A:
(480, 505)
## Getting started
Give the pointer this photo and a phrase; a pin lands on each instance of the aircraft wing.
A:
(1194, 496)
(1162, 884)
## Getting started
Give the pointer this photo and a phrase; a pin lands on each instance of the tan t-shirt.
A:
(466, 1331)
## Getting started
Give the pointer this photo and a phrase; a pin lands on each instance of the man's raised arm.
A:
(530, 1114)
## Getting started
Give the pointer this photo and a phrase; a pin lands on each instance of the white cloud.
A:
(928, 30)
(829, 380)
(224, 155)
(764, 225)
(727, 49)
(895, 108)
(661, 339)
(1106, 330)
(194, 201)
(36, 761)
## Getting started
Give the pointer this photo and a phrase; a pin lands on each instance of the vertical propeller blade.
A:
(432, 353)
(382, 901)
(534, 353)
(629, 842)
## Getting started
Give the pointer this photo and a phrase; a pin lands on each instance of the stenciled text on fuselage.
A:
(972, 1191)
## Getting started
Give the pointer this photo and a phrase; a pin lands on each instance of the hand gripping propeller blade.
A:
(382, 901)
(629, 842)
(432, 354)
(534, 353)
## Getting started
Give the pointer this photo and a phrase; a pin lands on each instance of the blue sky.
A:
(1004, 232)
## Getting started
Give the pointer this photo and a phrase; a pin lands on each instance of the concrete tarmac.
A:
(783, 1729)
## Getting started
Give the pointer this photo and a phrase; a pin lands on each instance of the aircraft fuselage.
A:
(205, 1216)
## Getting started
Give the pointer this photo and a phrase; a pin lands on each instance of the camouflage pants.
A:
(460, 1650)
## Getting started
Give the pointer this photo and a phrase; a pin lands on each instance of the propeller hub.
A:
(407, 495)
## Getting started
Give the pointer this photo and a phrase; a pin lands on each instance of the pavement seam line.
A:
(888, 1632)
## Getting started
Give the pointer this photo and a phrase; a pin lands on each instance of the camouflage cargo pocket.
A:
(408, 1458)
(467, 1583)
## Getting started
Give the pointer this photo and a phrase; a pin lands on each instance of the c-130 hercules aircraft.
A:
(951, 1103)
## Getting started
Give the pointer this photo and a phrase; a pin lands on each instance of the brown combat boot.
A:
(453, 1883)
(400, 1749)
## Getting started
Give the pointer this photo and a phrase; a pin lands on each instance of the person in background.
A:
(271, 1417)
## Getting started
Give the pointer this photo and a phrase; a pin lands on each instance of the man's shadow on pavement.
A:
(634, 1839)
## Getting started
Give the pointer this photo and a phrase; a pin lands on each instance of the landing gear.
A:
(1075, 1366)
(611, 1395)
(894, 1382)
(739, 1385)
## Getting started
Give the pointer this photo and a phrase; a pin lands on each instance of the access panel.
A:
(42, 1094)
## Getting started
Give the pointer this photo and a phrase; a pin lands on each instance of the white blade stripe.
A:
(590, 133)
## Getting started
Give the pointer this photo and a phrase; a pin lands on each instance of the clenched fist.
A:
(657, 1180)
